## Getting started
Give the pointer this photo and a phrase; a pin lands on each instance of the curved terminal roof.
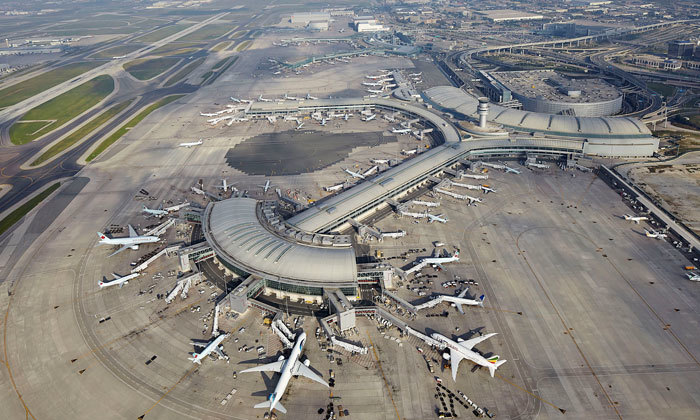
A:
(237, 235)
(451, 99)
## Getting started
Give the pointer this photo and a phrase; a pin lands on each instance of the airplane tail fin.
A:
(266, 404)
(481, 300)
(494, 364)
(101, 235)
(195, 359)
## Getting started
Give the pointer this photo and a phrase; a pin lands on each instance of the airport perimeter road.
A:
(111, 67)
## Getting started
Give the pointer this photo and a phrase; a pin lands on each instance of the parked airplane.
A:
(346, 116)
(287, 369)
(155, 212)
(132, 241)
(224, 185)
(308, 96)
(354, 174)
(301, 124)
(212, 346)
(389, 118)
(190, 144)
(487, 190)
(334, 187)
(271, 119)
(290, 98)
(401, 130)
(323, 121)
(118, 280)
(374, 84)
(370, 171)
(266, 186)
(235, 100)
(409, 152)
(177, 207)
(197, 191)
(473, 176)
(462, 349)
(436, 218)
(416, 74)
(375, 91)
(693, 276)
(381, 161)
(635, 219)
(473, 199)
(655, 234)
(512, 170)
(261, 99)
(370, 117)
(461, 300)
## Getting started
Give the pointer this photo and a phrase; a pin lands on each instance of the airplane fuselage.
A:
(286, 372)
(467, 354)
(197, 357)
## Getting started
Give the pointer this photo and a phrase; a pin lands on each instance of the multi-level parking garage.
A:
(305, 255)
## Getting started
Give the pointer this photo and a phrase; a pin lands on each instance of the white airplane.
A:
(401, 130)
(461, 300)
(235, 100)
(487, 190)
(132, 241)
(370, 171)
(301, 124)
(155, 212)
(376, 92)
(346, 116)
(462, 349)
(416, 74)
(117, 57)
(635, 219)
(212, 346)
(693, 276)
(271, 119)
(512, 170)
(374, 77)
(370, 117)
(436, 218)
(655, 234)
(261, 99)
(334, 187)
(323, 121)
(473, 199)
(389, 118)
(354, 174)
(224, 185)
(381, 161)
(290, 98)
(374, 84)
(118, 280)
(409, 152)
(266, 186)
(177, 207)
(190, 144)
(287, 369)
(308, 96)
(197, 191)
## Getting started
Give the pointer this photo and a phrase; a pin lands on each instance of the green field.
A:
(80, 133)
(220, 63)
(117, 51)
(242, 46)
(176, 48)
(161, 33)
(209, 80)
(208, 32)
(129, 125)
(221, 46)
(184, 72)
(237, 34)
(62, 108)
(662, 89)
(25, 208)
(144, 69)
(30, 87)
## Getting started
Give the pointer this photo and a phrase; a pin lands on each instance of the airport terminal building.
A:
(308, 256)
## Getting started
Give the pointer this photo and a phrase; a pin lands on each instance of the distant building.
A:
(306, 17)
(506, 15)
(567, 29)
(654, 62)
(681, 49)
(368, 24)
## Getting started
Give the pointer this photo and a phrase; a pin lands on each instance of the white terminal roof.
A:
(233, 229)
(449, 98)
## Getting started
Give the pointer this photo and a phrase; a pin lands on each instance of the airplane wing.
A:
(468, 344)
(193, 343)
(132, 232)
(270, 367)
(463, 293)
(219, 352)
(119, 250)
(302, 369)
(455, 358)
(440, 265)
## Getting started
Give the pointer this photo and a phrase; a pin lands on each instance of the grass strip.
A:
(25, 208)
(144, 69)
(62, 109)
(161, 33)
(220, 72)
(184, 72)
(80, 133)
(242, 46)
(129, 125)
(37, 84)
